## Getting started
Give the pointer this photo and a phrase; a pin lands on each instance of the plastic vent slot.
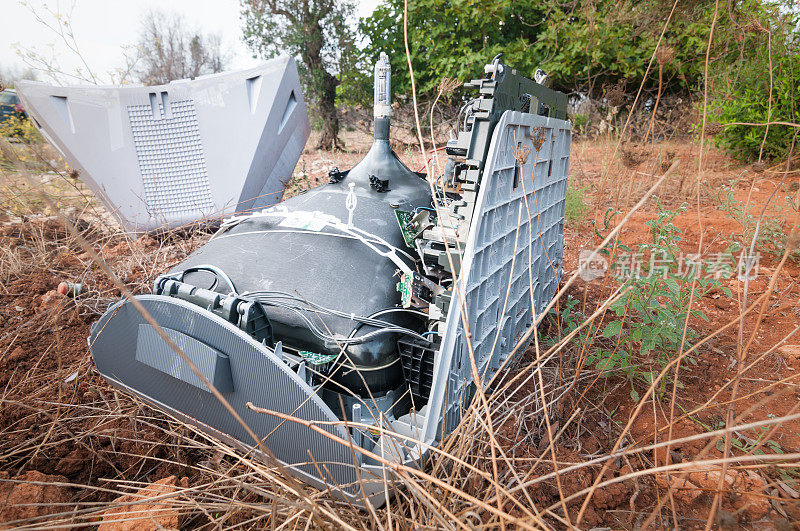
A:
(171, 159)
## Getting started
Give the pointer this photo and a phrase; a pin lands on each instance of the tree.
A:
(319, 34)
(585, 45)
(9, 75)
(452, 38)
(170, 50)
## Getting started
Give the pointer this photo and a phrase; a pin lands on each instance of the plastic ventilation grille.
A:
(518, 227)
(171, 160)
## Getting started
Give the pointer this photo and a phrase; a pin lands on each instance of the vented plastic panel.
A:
(171, 159)
(515, 247)
(164, 156)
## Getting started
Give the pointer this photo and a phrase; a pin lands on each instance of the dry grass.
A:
(517, 459)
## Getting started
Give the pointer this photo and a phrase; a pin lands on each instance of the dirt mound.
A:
(150, 508)
(33, 496)
(59, 418)
(746, 488)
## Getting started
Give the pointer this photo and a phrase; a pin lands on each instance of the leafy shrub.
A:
(648, 319)
(742, 88)
(748, 102)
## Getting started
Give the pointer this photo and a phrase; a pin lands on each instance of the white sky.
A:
(103, 27)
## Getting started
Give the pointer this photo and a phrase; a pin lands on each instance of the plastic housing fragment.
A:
(515, 246)
(165, 156)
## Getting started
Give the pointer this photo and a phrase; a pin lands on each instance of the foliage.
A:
(742, 86)
(594, 45)
(585, 45)
(170, 50)
(603, 48)
(739, 440)
(449, 38)
(319, 34)
(580, 123)
(19, 128)
(646, 329)
(771, 237)
(574, 207)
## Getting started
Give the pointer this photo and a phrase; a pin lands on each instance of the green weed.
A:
(771, 237)
(574, 206)
(647, 325)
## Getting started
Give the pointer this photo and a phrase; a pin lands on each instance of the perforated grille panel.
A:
(171, 160)
(512, 258)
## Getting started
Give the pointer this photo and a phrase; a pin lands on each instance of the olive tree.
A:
(319, 34)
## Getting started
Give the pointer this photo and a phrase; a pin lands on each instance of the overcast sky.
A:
(103, 27)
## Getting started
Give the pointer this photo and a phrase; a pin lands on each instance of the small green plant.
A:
(647, 327)
(771, 237)
(580, 122)
(574, 206)
(740, 440)
(565, 317)
(300, 183)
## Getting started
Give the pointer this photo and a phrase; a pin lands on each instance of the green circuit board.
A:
(405, 289)
(406, 221)
(317, 359)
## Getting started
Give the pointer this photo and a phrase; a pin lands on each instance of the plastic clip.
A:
(351, 203)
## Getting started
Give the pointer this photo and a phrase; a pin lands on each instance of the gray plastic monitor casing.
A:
(169, 155)
(512, 263)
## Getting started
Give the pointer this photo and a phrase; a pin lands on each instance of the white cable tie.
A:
(351, 203)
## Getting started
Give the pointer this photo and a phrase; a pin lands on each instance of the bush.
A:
(742, 89)
(748, 102)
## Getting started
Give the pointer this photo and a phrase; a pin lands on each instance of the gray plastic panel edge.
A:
(258, 376)
(374, 486)
(446, 375)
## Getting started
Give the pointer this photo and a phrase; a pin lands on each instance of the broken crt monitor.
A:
(360, 305)
(165, 156)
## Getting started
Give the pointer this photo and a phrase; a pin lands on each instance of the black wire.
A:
(218, 274)
(382, 327)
